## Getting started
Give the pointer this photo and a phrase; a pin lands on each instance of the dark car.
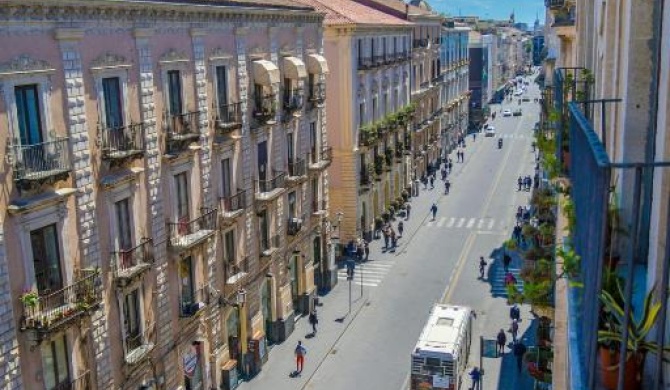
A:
(525, 99)
(517, 113)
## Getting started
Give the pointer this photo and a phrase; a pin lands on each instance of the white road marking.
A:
(452, 220)
(491, 223)
(471, 223)
(441, 222)
(480, 224)
(460, 223)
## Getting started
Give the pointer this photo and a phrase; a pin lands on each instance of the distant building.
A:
(538, 48)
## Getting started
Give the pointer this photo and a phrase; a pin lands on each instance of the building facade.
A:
(165, 206)
(455, 96)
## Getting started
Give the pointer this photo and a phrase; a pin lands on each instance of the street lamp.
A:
(241, 299)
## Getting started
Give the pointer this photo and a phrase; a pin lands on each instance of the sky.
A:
(524, 10)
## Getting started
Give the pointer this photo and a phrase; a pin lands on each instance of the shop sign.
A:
(190, 360)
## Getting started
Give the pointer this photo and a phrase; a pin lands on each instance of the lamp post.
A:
(241, 300)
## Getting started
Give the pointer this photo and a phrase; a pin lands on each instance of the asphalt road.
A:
(436, 261)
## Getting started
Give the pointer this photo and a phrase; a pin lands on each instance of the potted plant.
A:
(30, 299)
(638, 346)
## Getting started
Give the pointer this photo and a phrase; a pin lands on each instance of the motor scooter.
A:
(500, 142)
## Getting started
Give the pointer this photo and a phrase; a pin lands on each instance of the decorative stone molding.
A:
(219, 54)
(172, 56)
(198, 32)
(25, 64)
(143, 32)
(108, 61)
(241, 30)
(69, 34)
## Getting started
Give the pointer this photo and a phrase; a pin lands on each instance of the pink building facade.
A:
(165, 189)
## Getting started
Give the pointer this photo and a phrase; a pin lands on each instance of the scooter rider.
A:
(500, 143)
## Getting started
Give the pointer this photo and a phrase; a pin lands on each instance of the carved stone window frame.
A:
(175, 60)
(108, 66)
(220, 57)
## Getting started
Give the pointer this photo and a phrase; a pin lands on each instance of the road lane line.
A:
(453, 280)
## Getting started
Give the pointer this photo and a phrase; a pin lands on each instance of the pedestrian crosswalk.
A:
(514, 136)
(497, 280)
(370, 273)
(469, 223)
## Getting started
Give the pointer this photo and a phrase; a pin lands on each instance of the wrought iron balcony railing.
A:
(192, 304)
(228, 118)
(419, 43)
(269, 243)
(186, 233)
(138, 345)
(272, 184)
(365, 178)
(365, 63)
(425, 85)
(378, 60)
(293, 100)
(41, 161)
(317, 93)
(181, 130)
(82, 382)
(297, 167)
(554, 4)
(564, 18)
(49, 311)
(122, 142)
(128, 263)
(232, 203)
(294, 225)
(265, 107)
(325, 156)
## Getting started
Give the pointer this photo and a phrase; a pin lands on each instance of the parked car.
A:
(517, 113)
(490, 131)
(507, 113)
(525, 99)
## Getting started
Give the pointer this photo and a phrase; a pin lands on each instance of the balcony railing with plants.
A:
(293, 100)
(139, 345)
(367, 135)
(270, 185)
(186, 233)
(365, 176)
(228, 118)
(233, 203)
(42, 161)
(317, 93)
(192, 304)
(269, 243)
(379, 165)
(181, 130)
(49, 311)
(265, 107)
(297, 167)
(388, 158)
(122, 142)
(130, 262)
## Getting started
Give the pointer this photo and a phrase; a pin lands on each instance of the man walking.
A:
(432, 182)
(385, 231)
(519, 183)
(519, 350)
(408, 208)
(313, 320)
(507, 259)
(367, 250)
(502, 341)
(476, 376)
(433, 209)
(514, 330)
(300, 352)
(451, 165)
(447, 186)
(401, 227)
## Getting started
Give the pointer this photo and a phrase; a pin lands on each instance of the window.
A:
(28, 114)
(384, 47)
(262, 161)
(395, 44)
(374, 108)
(181, 183)
(372, 47)
(226, 190)
(288, 91)
(46, 259)
(174, 92)
(132, 320)
(292, 205)
(222, 85)
(187, 285)
(265, 229)
(315, 195)
(229, 247)
(385, 102)
(123, 224)
(311, 82)
(289, 148)
(55, 364)
(360, 50)
(111, 95)
(313, 142)
(361, 114)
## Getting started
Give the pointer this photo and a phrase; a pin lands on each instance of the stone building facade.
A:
(165, 185)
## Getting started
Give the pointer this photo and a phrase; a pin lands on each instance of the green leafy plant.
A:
(30, 298)
(571, 262)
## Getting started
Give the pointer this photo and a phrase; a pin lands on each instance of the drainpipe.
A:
(406, 11)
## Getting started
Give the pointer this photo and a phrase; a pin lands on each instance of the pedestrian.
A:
(451, 165)
(393, 239)
(519, 350)
(516, 233)
(536, 181)
(462, 156)
(416, 187)
(476, 376)
(367, 250)
(510, 279)
(408, 208)
(519, 213)
(514, 330)
(300, 352)
(502, 341)
(515, 313)
(507, 259)
(447, 186)
(385, 231)
(433, 209)
(424, 180)
(528, 183)
(474, 136)
(533, 146)
(313, 320)
(432, 182)
(400, 228)
(519, 182)
(444, 174)
(359, 251)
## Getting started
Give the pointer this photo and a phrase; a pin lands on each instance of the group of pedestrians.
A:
(300, 351)
(518, 347)
(526, 182)
(390, 235)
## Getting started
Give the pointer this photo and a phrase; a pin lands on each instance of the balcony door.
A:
(111, 95)
(187, 285)
(174, 92)
(28, 114)
(290, 153)
(313, 142)
(262, 162)
(264, 230)
(292, 205)
(46, 259)
(226, 179)
(181, 185)
(132, 320)
(123, 224)
(55, 363)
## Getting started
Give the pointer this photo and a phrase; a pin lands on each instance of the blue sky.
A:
(525, 10)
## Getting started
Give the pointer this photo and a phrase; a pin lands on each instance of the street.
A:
(436, 261)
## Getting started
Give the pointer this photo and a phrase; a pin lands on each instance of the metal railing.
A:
(234, 202)
(326, 154)
(419, 43)
(228, 117)
(82, 382)
(191, 305)
(268, 243)
(41, 161)
(46, 311)
(184, 126)
(378, 60)
(294, 225)
(364, 63)
(564, 18)
(294, 99)
(185, 232)
(124, 261)
(272, 184)
(138, 345)
(265, 107)
(297, 167)
(554, 4)
(317, 93)
(123, 141)
(425, 85)
(365, 178)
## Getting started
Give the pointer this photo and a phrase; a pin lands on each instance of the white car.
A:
(518, 93)
(490, 131)
(507, 113)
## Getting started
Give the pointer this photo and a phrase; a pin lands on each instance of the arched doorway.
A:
(232, 331)
(266, 309)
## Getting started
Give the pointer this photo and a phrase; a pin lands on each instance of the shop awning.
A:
(265, 72)
(316, 64)
(294, 68)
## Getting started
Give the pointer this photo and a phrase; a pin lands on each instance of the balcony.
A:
(365, 63)
(185, 234)
(120, 143)
(234, 273)
(265, 108)
(320, 161)
(269, 245)
(228, 118)
(190, 306)
(293, 100)
(181, 131)
(425, 85)
(554, 4)
(297, 171)
(319, 207)
(52, 311)
(437, 79)
(367, 135)
(139, 346)
(564, 23)
(365, 180)
(378, 60)
(317, 94)
(295, 225)
(270, 189)
(131, 263)
(82, 382)
(38, 163)
(233, 206)
(420, 43)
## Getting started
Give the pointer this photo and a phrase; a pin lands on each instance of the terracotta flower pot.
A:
(609, 371)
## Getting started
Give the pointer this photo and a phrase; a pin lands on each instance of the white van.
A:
(441, 354)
